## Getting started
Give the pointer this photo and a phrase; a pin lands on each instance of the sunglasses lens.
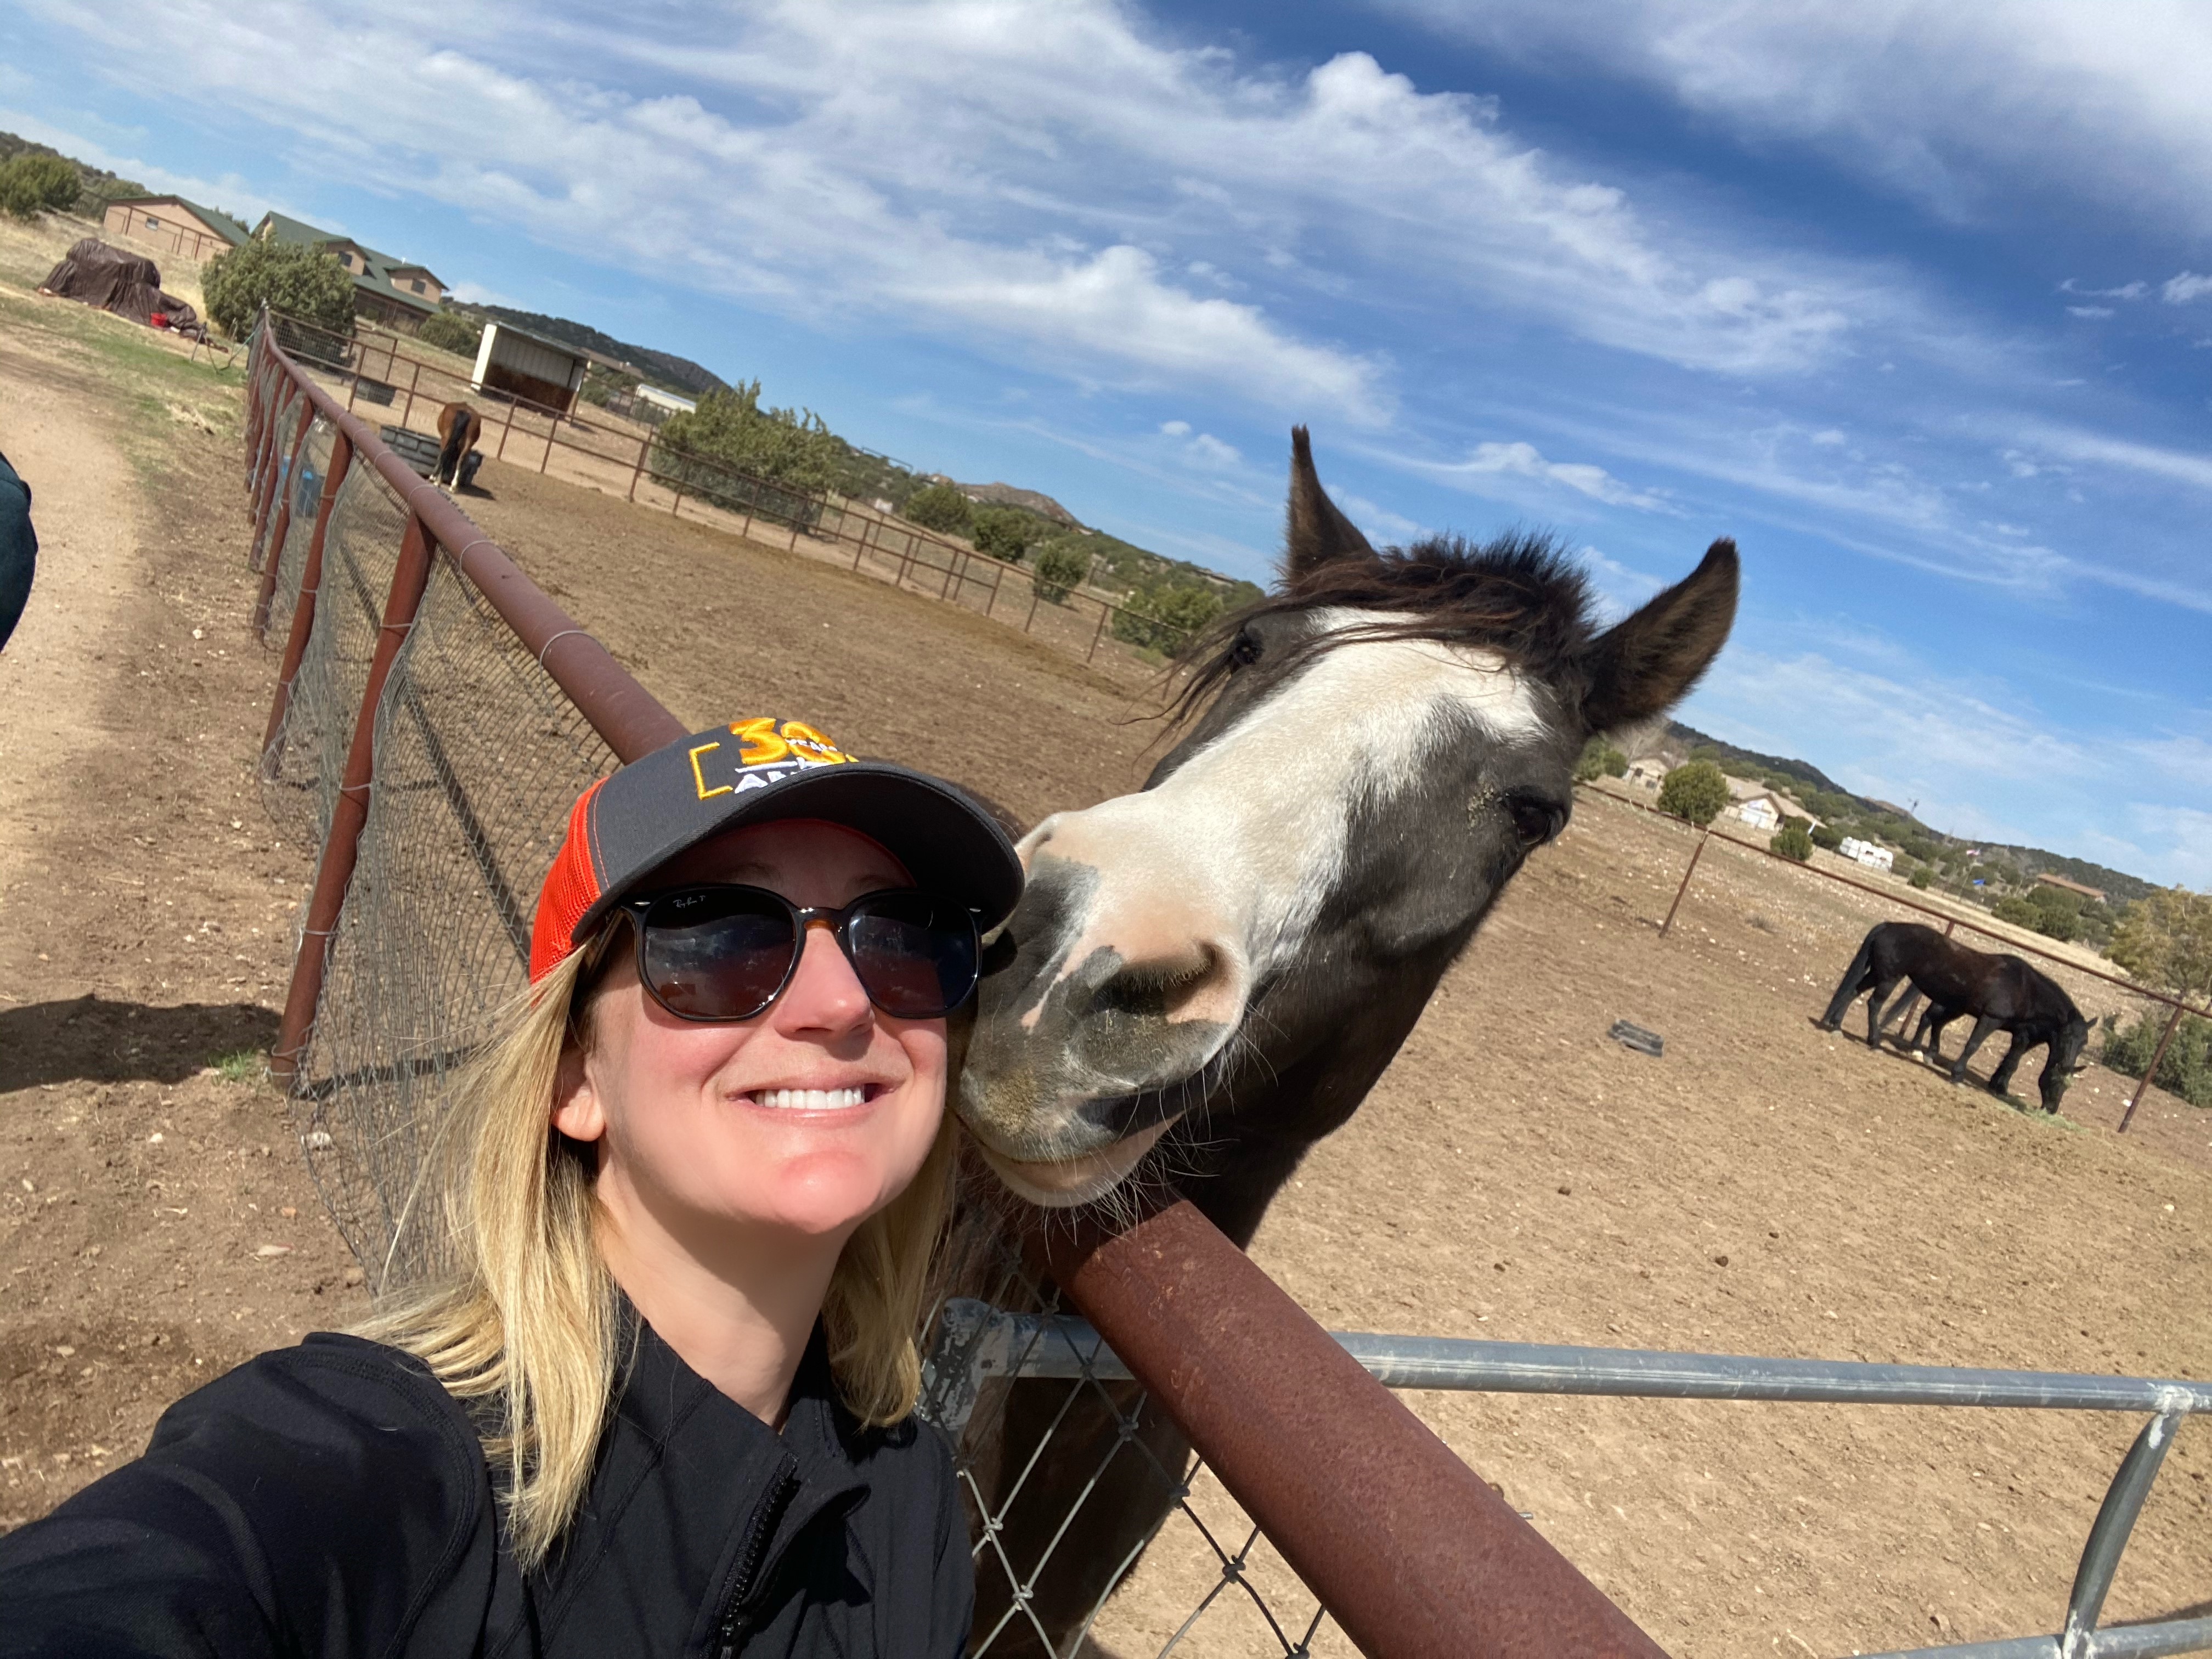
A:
(915, 955)
(718, 953)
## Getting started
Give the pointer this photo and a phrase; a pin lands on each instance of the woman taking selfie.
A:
(661, 1403)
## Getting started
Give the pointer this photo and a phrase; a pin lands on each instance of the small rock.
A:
(66, 1352)
(197, 634)
(269, 1250)
(316, 1141)
(154, 1139)
(353, 1275)
(1720, 1261)
(289, 1212)
(1566, 1192)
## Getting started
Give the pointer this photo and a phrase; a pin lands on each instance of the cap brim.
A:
(949, 842)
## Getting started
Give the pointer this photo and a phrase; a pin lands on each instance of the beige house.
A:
(173, 224)
(387, 291)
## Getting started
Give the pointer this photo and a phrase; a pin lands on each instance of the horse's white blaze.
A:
(1212, 878)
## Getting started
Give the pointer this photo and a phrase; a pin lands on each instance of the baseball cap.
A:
(757, 770)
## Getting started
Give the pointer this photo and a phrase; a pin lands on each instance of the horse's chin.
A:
(1065, 1183)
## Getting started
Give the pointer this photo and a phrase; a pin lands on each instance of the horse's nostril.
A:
(1198, 983)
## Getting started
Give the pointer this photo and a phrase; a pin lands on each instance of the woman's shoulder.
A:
(332, 1491)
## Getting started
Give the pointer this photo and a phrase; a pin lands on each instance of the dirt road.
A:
(156, 1224)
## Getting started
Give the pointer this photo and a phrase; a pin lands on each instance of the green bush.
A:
(1827, 835)
(32, 185)
(1061, 569)
(449, 330)
(1792, 841)
(291, 277)
(2186, 1068)
(1004, 533)
(1599, 759)
(1696, 791)
(1167, 618)
(789, 446)
(1921, 877)
(941, 507)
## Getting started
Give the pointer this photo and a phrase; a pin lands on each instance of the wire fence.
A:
(397, 381)
(2102, 996)
(436, 714)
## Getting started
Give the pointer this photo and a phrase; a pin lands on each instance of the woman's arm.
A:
(327, 1500)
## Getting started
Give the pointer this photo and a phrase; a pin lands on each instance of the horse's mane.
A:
(1518, 594)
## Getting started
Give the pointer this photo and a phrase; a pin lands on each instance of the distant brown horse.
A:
(459, 428)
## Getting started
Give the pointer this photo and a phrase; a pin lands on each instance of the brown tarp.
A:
(121, 282)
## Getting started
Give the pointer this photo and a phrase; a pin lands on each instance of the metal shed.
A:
(528, 367)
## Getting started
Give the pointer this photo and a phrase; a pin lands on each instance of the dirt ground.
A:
(1763, 1187)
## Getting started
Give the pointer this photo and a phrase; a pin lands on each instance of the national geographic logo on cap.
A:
(761, 752)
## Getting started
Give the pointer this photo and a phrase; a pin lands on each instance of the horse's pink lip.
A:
(1063, 1183)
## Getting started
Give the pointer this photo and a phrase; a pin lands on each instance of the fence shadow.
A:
(92, 1040)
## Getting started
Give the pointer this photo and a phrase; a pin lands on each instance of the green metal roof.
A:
(376, 280)
(221, 223)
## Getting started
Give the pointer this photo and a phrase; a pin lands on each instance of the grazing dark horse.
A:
(1207, 976)
(459, 428)
(2002, 992)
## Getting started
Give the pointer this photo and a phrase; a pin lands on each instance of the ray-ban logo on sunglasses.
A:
(762, 743)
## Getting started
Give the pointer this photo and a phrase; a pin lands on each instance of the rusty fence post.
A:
(2150, 1072)
(644, 446)
(1407, 1547)
(501, 453)
(265, 485)
(1704, 835)
(342, 847)
(1104, 610)
(273, 552)
(311, 582)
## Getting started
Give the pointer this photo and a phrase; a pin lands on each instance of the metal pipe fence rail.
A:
(435, 713)
(980, 1344)
(645, 468)
(1950, 919)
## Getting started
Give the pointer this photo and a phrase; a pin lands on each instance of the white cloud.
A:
(1379, 524)
(2071, 443)
(2088, 311)
(1176, 428)
(2125, 291)
(2181, 290)
(1492, 460)
(1083, 195)
(1957, 104)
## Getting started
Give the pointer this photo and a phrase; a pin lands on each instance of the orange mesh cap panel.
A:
(572, 887)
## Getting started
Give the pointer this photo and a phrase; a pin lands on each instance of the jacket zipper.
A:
(737, 1617)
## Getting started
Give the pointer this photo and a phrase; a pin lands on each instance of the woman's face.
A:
(805, 1119)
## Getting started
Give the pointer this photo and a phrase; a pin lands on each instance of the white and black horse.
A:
(2001, 991)
(1205, 978)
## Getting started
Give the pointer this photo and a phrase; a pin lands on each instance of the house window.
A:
(417, 285)
(152, 223)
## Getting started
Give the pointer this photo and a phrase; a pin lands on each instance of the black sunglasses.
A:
(726, 952)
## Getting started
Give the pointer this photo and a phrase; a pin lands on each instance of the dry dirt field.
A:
(1763, 1187)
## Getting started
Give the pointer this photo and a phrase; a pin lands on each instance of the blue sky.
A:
(1914, 299)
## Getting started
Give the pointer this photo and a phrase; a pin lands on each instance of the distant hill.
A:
(2119, 887)
(100, 186)
(1033, 501)
(662, 368)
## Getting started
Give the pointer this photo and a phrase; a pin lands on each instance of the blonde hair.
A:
(524, 1318)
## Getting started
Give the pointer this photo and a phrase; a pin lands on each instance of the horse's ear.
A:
(1647, 662)
(1318, 534)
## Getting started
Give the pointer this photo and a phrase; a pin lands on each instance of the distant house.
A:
(185, 228)
(529, 367)
(668, 403)
(2045, 878)
(1648, 772)
(1760, 812)
(385, 290)
(1866, 852)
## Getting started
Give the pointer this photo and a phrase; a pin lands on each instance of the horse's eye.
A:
(1534, 820)
(1245, 650)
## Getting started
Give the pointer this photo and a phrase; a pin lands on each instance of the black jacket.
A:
(332, 1500)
